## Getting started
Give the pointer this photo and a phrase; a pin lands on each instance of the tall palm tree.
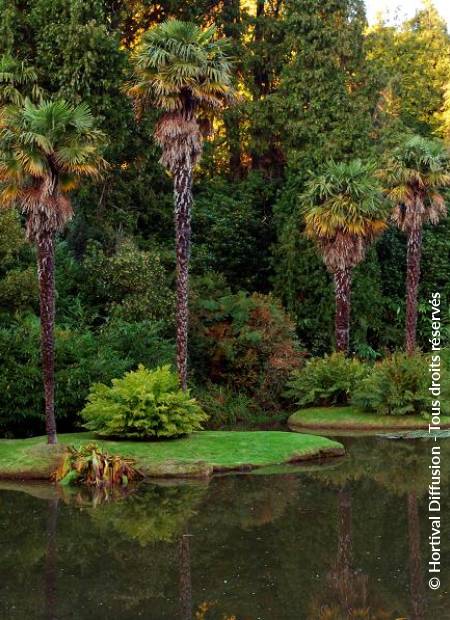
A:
(414, 177)
(45, 151)
(344, 212)
(184, 71)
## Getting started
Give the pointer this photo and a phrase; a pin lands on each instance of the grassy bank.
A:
(201, 454)
(353, 419)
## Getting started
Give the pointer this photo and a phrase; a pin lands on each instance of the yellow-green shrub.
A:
(143, 404)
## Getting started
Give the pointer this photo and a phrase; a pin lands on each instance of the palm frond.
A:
(413, 179)
(45, 150)
(179, 64)
(344, 210)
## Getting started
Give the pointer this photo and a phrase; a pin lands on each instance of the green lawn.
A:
(200, 454)
(352, 418)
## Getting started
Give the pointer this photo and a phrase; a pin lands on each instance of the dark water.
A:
(348, 540)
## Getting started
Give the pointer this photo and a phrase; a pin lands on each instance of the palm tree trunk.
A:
(343, 284)
(414, 252)
(183, 204)
(46, 274)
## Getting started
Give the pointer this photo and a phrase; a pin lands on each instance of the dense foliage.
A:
(246, 343)
(330, 380)
(399, 385)
(83, 357)
(143, 404)
(314, 84)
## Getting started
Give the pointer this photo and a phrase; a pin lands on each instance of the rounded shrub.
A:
(246, 343)
(143, 404)
(325, 381)
(399, 385)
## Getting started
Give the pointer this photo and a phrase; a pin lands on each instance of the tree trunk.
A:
(46, 274)
(414, 251)
(342, 283)
(183, 203)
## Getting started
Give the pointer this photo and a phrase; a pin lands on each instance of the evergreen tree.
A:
(416, 57)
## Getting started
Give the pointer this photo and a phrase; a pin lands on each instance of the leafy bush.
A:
(93, 466)
(83, 357)
(131, 284)
(18, 278)
(141, 405)
(18, 291)
(226, 408)
(326, 381)
(399, 385)
(246, 343)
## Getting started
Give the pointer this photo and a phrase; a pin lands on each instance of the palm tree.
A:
(414, 176)
(344, 211)
(17, 80)
(45, 151)
(185, 72)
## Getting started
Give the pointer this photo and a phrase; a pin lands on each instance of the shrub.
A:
(83, 357)
(246, 343)
(131, 284)
(93, 466)
(399, 385)
(18, 278)
(226, 408)
(326, 381)
(143, 404)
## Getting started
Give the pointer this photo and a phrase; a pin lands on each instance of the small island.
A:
(200, 455)
(351, 418)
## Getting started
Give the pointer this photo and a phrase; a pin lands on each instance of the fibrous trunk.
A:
(342, 282)
(414, 251)
(183, 203)
(46, 273)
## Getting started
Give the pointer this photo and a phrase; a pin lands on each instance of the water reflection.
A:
(185, 578)
(339, 543)
(417, 587)
(51, 560)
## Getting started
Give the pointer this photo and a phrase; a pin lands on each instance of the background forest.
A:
(315, 83)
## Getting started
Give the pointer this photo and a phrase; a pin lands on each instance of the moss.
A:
(198, 455)
(352, 418)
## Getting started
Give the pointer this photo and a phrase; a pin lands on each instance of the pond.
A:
(348, 539)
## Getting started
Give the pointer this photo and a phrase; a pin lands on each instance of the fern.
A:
(143, 404)
(398, 386)
(326, 381)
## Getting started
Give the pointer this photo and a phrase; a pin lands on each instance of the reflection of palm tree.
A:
(50, 561)
(415, 559)
(349, 586)
(185, 578)
(347, 595)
